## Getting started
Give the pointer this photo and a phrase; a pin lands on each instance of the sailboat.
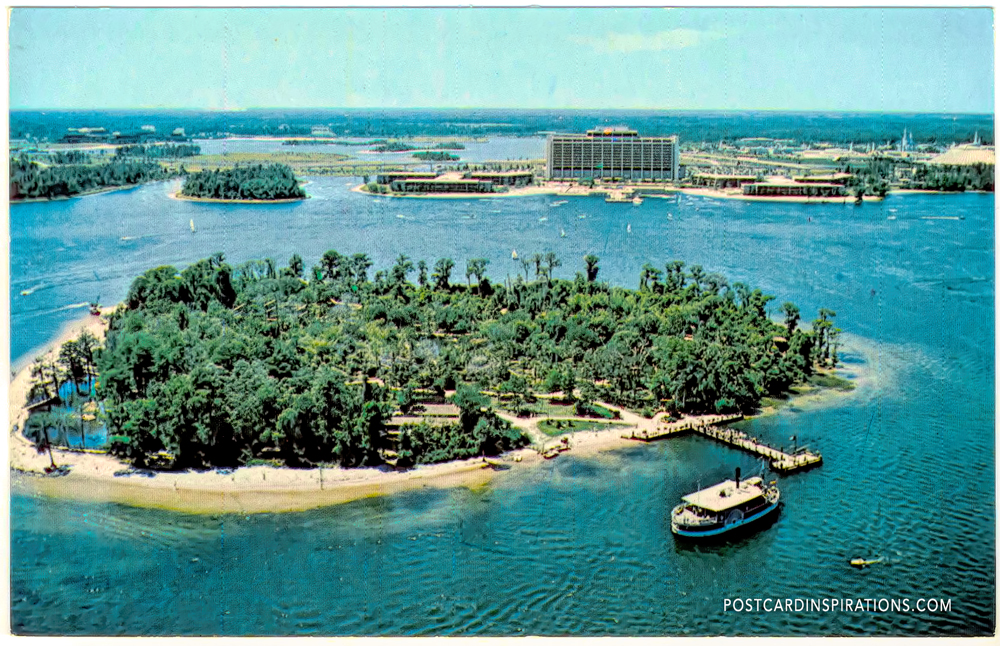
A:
(192, 225)
(513, 254)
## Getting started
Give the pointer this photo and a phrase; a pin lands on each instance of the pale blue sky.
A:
(912, 60)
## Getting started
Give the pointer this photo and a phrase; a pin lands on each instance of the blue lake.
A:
(575, 546)
(493, 149)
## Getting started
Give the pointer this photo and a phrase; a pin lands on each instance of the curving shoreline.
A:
(176, 195)
(267, 489)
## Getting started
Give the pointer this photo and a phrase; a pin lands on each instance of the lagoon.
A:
(575, 546)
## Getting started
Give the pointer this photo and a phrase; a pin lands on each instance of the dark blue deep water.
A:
(575, 546)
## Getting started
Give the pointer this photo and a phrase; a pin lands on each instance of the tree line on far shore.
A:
(875, 176)
(222, 366)
(29, 179)
(254, 182)
(159, 151)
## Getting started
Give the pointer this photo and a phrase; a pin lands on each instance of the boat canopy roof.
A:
(725, 495)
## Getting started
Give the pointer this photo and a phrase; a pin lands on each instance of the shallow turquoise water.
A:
(576, 546)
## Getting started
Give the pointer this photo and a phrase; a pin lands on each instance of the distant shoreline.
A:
(215, 200)
(96, 191)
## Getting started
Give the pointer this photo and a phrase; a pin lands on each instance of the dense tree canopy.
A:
(162, 151)
(256, 182)
(32, 180)
(221, 365)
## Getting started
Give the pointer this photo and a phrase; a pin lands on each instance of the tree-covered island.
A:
(434, 155)
(223, 366)
(30, 179)
(257, 182)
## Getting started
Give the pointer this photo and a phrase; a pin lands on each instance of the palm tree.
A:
(551, 262)
(422, 273)
(331, 264)
(360, 264)
(590, 260)
(401, 269)
(536, 259)
(442, 273)
(476, 267)
(526, 264)
(791, 313)
(697, 275)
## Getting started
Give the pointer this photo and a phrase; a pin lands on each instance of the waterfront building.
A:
(612, 153)
(718, 181)
(389, 177)
(441, 185)
(833, 178)
(515, 178)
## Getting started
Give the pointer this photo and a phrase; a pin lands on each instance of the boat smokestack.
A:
(737, 477)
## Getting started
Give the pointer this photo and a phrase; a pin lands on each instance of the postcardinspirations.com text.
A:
(769, 604)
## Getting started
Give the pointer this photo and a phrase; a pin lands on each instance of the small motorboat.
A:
(513, 254)
(862, 563)
(628, 229)
(562, 233)
(636, 200)
(192, 226)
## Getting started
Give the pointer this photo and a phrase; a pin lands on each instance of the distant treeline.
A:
(257, 182)
(30, 180)
(430, 155)
(977, 177)
(70, 157)
(394, 147)
(165, 151)
(691, 126)
(875, 176)
(331, 142)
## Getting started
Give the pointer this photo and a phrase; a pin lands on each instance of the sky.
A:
(891, 59)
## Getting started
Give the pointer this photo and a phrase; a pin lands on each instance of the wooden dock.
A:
(663, 431)
(780, 461)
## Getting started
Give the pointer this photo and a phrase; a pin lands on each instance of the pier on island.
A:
(780, 460)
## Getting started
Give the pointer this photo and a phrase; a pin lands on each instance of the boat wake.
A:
(32, 290)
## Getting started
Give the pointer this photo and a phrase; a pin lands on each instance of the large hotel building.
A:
(617, 153)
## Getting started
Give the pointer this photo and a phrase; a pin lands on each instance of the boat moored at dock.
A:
(725, 507)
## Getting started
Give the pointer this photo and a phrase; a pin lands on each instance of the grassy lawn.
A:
(559, 427)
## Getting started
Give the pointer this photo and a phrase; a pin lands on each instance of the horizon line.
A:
(561, 109)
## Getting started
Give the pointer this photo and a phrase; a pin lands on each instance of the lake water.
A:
(493, 149)
(577, 545)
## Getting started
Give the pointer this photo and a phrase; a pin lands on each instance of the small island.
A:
(221, 366)
(253, 183)
(434, 155)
